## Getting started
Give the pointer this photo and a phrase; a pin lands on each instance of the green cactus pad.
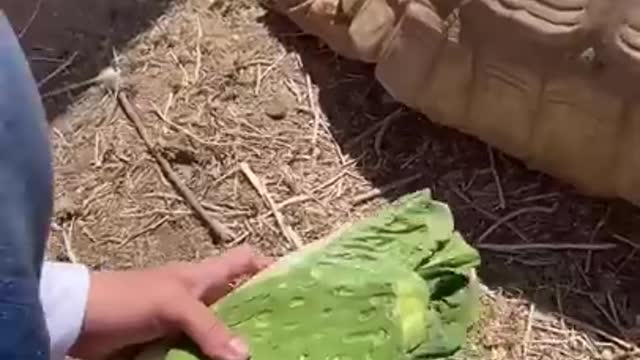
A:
(394, 286)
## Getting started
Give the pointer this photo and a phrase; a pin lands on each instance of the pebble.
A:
(276, 110)
(607, 354)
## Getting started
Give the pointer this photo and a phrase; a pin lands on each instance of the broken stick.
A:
(553, 246)
(262, 191)
(385, 189)
(217, 229)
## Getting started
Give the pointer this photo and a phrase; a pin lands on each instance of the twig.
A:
(592, 237)
(66, 239)
(496, 178)
(538, 197)
(262, 191)
(251, 63)
(418, 153)
(626, 241)
(143, 231)
(45, 59)
(185, 74)
(163, 117)
(109, 77)
(624, 262)
(205, 205)
(316, 114)
(512, 215)
(614, 309)
(228, 212)
(293, 88)
(372, 129)
(58, 70)
(552, 246)
(385, 189)
(559, 303)
(527, 332)
(217, 228)
(622, 343)
(196, 70)
(131, 215)
(167, 105)
(258, 78)
(584, 276)
(343, 171)
(290, 201)
(488, 214)
(606, 314)
(239, 239)
(97, 156)
(222, 177)
(263, 75)
(31, 19)
(330, 181)
(377, 144)
(472, 180)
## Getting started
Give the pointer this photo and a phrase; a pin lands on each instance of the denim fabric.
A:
(25, 204)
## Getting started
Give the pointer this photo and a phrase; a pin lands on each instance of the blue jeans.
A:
(26, 178)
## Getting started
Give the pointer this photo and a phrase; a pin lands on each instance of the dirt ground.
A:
(223, 83)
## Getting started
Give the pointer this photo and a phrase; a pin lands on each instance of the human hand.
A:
(134, 307)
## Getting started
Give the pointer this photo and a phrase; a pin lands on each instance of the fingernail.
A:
(239, 350)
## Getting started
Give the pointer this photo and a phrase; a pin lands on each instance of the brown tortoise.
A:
(554, 83)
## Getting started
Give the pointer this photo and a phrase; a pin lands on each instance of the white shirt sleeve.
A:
(64, 290)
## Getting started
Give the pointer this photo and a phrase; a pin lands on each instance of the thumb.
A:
(214, 339)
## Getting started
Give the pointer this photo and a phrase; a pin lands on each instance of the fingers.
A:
(213, 338)
(241, 260)
(214, 276)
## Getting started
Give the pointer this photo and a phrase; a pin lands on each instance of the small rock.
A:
(215, 5)
(276, 110)
(184, 59)
(66, 208)
(179, 154)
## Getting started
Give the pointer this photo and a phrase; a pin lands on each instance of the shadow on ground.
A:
(54, 31)
(600, 287)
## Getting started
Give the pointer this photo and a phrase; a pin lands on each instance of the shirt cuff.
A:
(64, 290)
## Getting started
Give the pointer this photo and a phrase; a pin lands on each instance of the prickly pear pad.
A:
(394, 286)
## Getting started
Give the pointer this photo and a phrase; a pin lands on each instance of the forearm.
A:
(88, 313)
(117, 314)
(96, 314)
